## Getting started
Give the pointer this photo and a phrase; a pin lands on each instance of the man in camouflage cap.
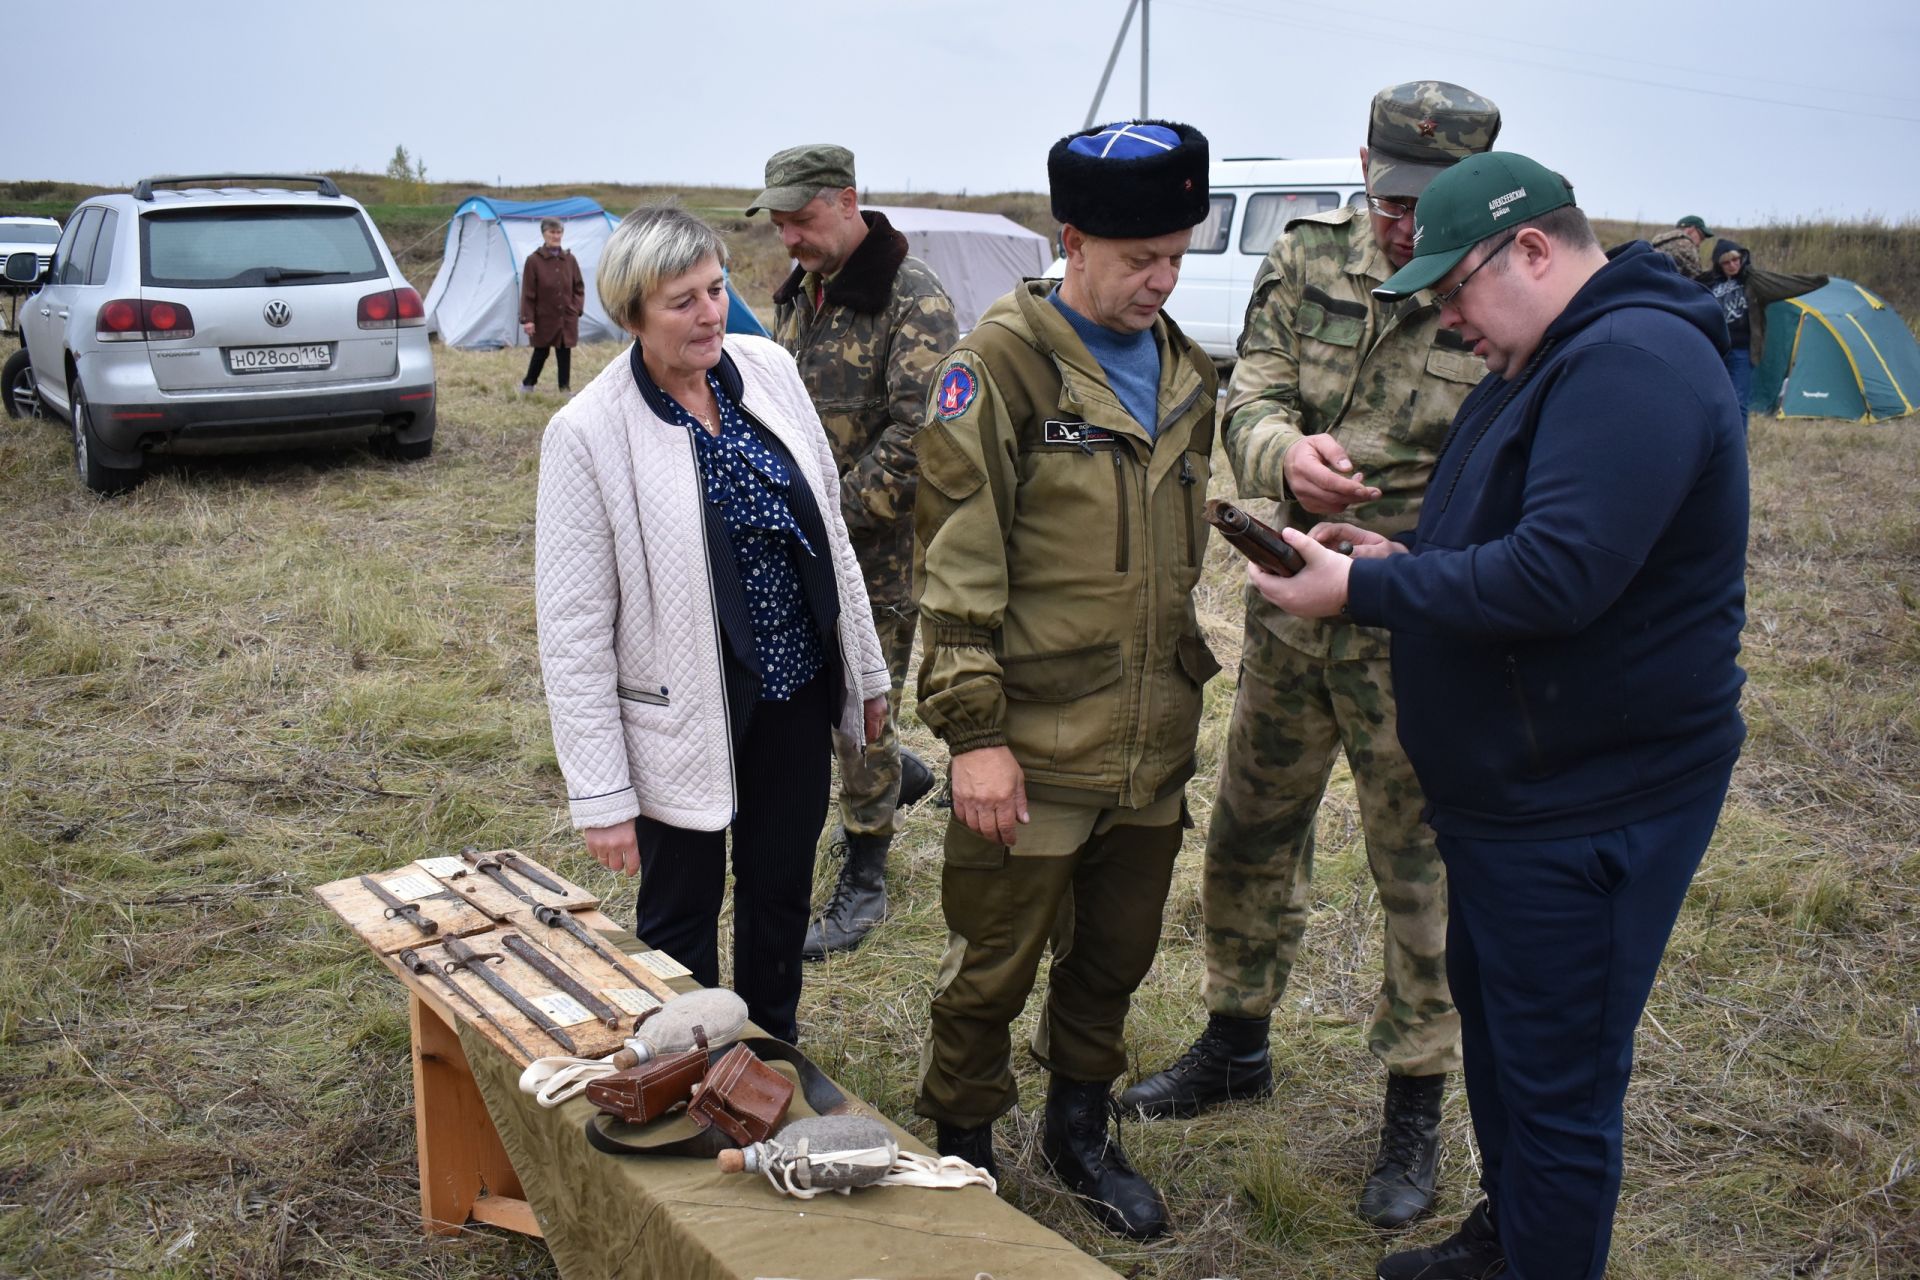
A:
(1339, 404)
(867, 324)
(1682, 241)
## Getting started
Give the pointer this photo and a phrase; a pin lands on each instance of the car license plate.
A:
(316, 355)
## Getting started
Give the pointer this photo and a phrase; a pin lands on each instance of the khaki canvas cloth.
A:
(634, 1217)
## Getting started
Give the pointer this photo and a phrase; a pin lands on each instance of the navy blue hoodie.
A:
(1565, 634)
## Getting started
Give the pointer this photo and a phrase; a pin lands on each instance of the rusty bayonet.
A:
(560, 918)
(395, 907)
(497, 864)
(475, 962)
(530, 955)
(415, 964)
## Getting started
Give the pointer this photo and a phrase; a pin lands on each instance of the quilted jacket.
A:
(630, 647)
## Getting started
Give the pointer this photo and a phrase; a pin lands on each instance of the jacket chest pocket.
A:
(1326, 319)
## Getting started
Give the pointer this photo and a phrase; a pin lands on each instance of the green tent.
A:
(1838, 352)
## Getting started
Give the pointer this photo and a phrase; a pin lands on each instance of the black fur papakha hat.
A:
(1130, 181)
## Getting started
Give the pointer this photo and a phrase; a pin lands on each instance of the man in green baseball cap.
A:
(867, 324)
(1682, 242)
(1565, 621)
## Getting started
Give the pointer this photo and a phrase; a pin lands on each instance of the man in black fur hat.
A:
(1058, 539)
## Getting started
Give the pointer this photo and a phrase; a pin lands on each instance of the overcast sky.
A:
(1755, 112)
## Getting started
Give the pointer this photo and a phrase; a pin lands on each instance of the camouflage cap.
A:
(1418, 129)
(798, 174)
(1695, 221)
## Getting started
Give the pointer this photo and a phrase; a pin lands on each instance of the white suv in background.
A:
(221, 317)
(29, 235)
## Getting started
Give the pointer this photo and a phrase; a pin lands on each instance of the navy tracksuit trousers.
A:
(1552, 948)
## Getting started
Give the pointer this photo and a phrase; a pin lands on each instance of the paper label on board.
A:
(445, 868)
(661, 965)
(631, 999)
(411, 887)
(562, 1008)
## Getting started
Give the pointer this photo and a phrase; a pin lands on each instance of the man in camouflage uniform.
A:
(867, 324)
(1059, 538)
(1682, 241)
(1339, 403)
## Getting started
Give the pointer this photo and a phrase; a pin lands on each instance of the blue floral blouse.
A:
(748, 483)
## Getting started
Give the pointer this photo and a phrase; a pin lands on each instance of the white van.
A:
(1253, 199)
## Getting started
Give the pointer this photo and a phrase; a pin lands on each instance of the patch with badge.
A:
(956, 392)
(1080, 433)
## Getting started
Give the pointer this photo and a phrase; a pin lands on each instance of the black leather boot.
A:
(916, 780)
(1471, 1253)
(859, 900)
(1082, 1154)
(1228, 1062)
(975, 1145)
(1400, 1188)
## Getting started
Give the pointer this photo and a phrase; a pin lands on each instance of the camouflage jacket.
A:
(867, 355)
(1678, 245)
(1056, 551)
(1320, 353)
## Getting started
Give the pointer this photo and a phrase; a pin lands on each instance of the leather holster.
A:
(742, 1097)
(650, 1090)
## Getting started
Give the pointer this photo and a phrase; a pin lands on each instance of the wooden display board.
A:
(456, 899)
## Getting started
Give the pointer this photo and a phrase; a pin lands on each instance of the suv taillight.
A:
(391, 307)
(136, 320)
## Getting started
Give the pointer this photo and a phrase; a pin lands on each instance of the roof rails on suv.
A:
(143, 190)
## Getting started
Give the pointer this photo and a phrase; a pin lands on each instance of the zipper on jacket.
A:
(1187, 479)
(719, 641)
(1526, 715)
(1120, 508)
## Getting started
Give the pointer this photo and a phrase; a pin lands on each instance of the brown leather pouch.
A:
(1253, 538)
(650, 1090)
(742, 1097)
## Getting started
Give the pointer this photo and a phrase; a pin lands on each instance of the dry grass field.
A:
(252, 676)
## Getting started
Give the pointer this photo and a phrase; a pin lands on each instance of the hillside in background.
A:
(1885, 257)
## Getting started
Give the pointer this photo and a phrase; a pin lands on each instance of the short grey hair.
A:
(552, 224)
(654, 243)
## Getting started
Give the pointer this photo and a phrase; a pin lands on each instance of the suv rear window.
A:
(29, 233)
(240, 248)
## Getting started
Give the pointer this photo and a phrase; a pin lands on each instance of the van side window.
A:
(1268, 213)
(1211, 235)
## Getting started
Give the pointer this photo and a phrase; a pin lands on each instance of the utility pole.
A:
(1112, 58)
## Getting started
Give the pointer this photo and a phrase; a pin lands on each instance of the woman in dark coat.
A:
(552, 292)
(1744, 293)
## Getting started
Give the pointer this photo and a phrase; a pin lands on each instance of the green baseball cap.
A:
(798, 174)
(1478, 197)
(1696, 222)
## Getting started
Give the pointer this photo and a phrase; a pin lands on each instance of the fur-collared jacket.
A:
(867, 351)
(636, 622)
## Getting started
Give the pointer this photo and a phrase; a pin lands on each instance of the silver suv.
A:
(218, 318)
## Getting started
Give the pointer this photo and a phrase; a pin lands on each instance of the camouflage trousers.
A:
(1291, 714)
(870, 774)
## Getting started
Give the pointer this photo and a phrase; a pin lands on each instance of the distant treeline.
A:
(1883, 256)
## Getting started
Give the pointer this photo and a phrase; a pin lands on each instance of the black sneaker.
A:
(1471, 1253)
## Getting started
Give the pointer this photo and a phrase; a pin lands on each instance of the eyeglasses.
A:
(1446, 299)
(1392, 209)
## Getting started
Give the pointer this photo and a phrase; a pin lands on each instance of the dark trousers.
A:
(562, 362)
(1552, 947)
(781, 771)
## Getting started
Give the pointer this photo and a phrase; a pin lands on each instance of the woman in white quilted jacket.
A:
(703, 623)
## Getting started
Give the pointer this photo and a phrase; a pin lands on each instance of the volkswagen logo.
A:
(278, 313)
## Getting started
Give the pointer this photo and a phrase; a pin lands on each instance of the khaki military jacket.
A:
(1056, 552)
(1321, 354)
(867, 354)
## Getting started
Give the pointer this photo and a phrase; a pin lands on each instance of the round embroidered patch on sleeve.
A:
(956, 392)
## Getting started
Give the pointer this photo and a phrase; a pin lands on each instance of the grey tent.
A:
(475, 299)
(978, 256)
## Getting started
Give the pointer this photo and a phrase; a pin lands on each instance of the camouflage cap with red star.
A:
(1418, 129)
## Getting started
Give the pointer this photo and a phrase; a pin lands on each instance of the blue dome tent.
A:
(1838, 352)
(474, 302)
